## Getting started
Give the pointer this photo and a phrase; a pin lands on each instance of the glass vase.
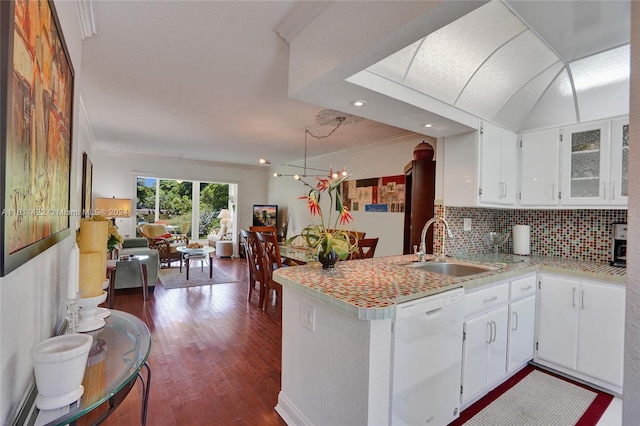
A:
(327, 259)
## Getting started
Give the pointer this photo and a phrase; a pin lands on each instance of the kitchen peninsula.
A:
(337, 330)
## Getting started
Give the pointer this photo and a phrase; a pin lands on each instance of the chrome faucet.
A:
(421, 253)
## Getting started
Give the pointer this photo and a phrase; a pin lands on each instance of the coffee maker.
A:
(619, 244)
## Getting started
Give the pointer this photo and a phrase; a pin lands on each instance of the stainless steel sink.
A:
(453, 269)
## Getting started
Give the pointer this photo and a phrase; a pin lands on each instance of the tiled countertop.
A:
(370, 289)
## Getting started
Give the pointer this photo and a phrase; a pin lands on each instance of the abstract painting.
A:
(36, 94)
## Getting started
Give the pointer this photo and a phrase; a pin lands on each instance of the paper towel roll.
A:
(521, 239)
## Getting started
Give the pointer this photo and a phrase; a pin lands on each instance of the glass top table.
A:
(120, 349)
(301, 255)
(202, 253)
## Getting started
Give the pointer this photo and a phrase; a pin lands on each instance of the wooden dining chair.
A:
(253, 249)
(270, 229)
(271, 261)
(367, 247)
(354, 238)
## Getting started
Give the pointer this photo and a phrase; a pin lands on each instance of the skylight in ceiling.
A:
(610, 67)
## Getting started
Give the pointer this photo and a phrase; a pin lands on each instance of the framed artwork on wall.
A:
(87, 184)
(36, 102)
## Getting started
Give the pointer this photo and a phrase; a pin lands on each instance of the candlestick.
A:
(74, 272)
(93, 235)
(92, 273)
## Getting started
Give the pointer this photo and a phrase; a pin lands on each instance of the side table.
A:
(143, 271)
(119, 352)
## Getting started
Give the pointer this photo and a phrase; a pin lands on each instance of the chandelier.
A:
(324, 117)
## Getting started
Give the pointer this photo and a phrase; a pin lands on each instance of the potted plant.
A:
(331, 242)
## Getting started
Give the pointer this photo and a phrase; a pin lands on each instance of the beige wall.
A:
(384, 159)
(114, 176)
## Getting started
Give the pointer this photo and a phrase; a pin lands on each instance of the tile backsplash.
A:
(581, 234)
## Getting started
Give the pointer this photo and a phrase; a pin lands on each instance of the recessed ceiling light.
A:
(427, 125)
(358, 103)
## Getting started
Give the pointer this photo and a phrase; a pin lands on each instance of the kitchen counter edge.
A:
(386, 309)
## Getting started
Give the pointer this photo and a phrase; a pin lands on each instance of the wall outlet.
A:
(467, 224)
(308, 316)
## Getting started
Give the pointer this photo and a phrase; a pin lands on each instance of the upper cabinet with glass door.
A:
(585, 164)
(619, 161)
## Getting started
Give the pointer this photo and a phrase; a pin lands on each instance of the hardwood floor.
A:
(215, 358)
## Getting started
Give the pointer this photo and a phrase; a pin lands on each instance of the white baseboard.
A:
(290, 413)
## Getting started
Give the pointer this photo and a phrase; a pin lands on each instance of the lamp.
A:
(224, 217)
(113, 208)
(324, 117)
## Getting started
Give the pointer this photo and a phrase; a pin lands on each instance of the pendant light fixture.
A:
(324, 117)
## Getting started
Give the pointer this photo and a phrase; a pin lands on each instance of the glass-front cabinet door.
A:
(585, 164)
(619, 161)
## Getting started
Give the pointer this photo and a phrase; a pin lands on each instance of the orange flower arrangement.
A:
(319, 234)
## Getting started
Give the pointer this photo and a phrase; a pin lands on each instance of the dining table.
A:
(297, 255)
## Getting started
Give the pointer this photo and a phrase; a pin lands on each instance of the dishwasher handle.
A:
(434, 313)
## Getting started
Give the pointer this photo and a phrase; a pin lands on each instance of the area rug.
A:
(534, 397)
(173, 278)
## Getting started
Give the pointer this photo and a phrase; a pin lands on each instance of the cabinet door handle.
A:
(489, 332)
(491, 299)
(503, 190)
(582, 299)
(495, 331)
(525, 288)
(573, 298)
(514, 316)
(613, 189)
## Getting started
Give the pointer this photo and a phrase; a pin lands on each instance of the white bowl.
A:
(59, 363)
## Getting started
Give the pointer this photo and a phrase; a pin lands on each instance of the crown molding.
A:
(87, 18)
(85, 122)
(298, 17)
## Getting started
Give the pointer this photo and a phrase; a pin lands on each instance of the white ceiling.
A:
(234, 81)
(522, 65)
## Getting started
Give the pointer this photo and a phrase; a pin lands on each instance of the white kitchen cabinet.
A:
(460, 171)
(522, 320)
(484, 352)
(581, 329)
(480, 168)
(540, 168)
(601, 331)
(582, 165)
(619, 161)
(586, 150)
(498, 165)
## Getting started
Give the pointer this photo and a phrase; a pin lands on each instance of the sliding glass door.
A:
(186, 207)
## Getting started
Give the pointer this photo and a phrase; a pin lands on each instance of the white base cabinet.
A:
(485, 351)
(581, 329)
(522, 322)
(498, 335)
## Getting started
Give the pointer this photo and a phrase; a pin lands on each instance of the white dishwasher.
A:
(426, 360)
